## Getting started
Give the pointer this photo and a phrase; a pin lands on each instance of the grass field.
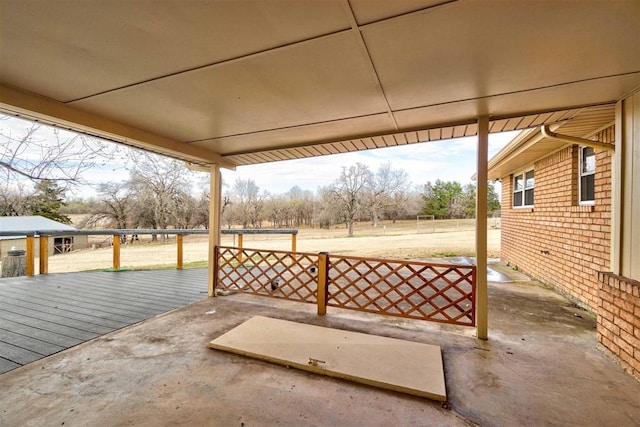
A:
(402, 240)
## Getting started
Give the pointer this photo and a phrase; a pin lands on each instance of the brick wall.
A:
(619, 320)
(558, 241)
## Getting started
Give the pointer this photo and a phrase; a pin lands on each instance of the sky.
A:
(447, 160)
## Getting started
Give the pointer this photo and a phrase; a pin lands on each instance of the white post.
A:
(215, 191)
(482, 309)
(617, 196)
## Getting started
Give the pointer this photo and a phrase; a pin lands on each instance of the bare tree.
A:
(160, 189)
(328, 209)
(113, 208)
(348, 191)
(276, 211)
(248, 202)
(401, 204)
(200, 216)
(37, 152)
(14, 201)
(386, 185)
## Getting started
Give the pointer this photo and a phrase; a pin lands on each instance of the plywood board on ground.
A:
(389, 363)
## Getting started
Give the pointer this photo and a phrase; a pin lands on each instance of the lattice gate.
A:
(418, 290)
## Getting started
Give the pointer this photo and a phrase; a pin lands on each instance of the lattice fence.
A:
(435, 292)
(417, 290)
(276, 274)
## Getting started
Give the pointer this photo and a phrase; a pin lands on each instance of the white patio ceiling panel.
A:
(264, 81)
(249, 95)
(90, 47)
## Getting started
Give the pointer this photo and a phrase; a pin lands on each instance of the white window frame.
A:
(525, 188)
(581, 174)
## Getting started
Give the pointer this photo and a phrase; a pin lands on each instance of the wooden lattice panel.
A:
(435, 292)
(276, 274)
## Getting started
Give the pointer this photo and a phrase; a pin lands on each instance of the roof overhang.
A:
(237, 83)
(532, 145)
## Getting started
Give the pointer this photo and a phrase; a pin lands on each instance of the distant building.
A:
(57, 244)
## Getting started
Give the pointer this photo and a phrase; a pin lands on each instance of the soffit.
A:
(530, 146)
(245, 82)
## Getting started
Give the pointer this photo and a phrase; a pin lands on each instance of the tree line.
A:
(158, 193)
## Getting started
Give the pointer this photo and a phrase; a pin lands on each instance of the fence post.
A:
(30, 255)
(323, 282)
(216, 250)
(293, 248)
(179, 238)
(240, 240)
(116, 252)
(44, 254)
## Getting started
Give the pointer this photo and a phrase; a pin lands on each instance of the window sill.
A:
(522, 210)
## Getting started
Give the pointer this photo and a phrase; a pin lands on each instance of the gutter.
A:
(548, 133)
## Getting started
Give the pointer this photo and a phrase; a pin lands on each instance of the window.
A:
(587, 174)
(523, 184)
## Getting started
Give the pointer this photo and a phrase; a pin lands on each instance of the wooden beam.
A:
(47, 110)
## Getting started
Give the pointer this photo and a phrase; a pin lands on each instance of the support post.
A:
(323, 275)
(44, 254)
(482, 309)
(618, 201)
(179, 240)
(116, 252)
(30, 267)
(215, 191)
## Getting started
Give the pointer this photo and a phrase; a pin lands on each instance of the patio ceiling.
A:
(242, 82)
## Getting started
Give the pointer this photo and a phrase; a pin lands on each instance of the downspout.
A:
(546, 131)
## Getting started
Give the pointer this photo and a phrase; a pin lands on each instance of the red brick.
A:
(631, 340)
(623, 344)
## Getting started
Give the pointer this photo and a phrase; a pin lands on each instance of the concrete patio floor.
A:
(540, 366)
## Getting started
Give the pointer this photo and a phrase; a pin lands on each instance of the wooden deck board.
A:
(142, 299)
(74, 309)
(46, 326)
(49, 336)
(59, 317)
(33, 344)
(18, 355)
(42, 315)
(7, 365)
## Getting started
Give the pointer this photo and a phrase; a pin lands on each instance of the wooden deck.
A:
(43, 315)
